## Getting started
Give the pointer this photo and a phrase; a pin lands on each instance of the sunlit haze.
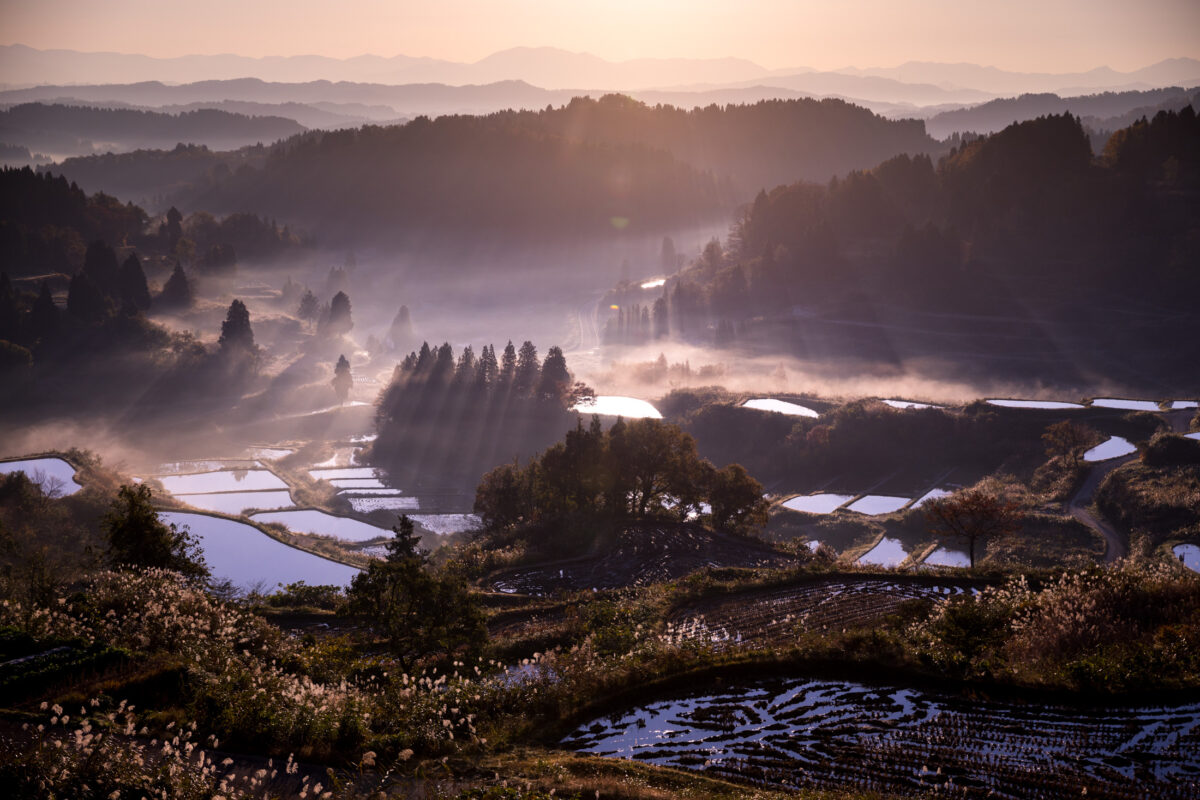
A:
(1024, 35)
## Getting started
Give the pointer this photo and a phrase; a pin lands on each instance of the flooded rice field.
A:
(313, 521)
(53, 475)
(888, 553)
(875, 504)
(1047, 405)
(1115, 447)
(251, 559)
(943, 557)
(1188, 555)
(932, 494)
(444, 524)
(793, 733)
(235, 503)
(1127, 405)
(618, 406)
(236, 480)
(780, 407)
(909, 404)
(823, 503)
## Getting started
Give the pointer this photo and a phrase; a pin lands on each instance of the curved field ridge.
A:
(794, 733)
(772, 617)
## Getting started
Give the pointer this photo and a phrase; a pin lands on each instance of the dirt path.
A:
(1079, 507)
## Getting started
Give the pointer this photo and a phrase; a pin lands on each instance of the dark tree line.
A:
(633, 470)
(455, 417)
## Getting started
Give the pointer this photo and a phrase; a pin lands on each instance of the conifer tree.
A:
(84, 300)
(342, 380)
(132, 280)
(177, 291)
(236, 334)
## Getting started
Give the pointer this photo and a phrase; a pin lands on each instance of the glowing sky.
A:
(1026, 35)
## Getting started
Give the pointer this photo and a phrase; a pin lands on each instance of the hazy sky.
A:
(1030, 35)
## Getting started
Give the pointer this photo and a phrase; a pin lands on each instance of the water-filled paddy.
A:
(52, 474)
(1115, 447)
(1180, 404)
(948, 558)
(1051, 405)
(1122, 403)
(888, 553)
(1188, 555)
(312, 521)
(780, 407)
(237, 502)
(270, 453)
(873, 504)
(907, 404)
(617, 406)
(240, 480)
(358, 483)
(821, 734)
(823, 503)
(932, 494)
(249, 558)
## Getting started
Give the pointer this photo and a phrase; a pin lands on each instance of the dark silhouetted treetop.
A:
(309, 308)
(236, 334)
(100, 265)
(339, 322)
(134, 291)
(342, 380)
(555, 381)
(84, 300)
(525, 380)
(177, 291)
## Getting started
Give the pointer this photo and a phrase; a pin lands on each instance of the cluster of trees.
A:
(634, 469)
(75, 130)
(462, 415)
(999, 216)
(46, 222)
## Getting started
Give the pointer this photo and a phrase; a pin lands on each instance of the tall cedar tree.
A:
(342, 380)
(177, 291)
(236, 334)
(132, 279)
(418, 611)
(339, 321)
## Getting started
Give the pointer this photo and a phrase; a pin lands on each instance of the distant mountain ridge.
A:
(554, 69)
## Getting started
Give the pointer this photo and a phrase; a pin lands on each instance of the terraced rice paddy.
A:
(238, 502)
(227, 480)
(823, 503)
(617, 406)
(909, 404)
(798, 732)
(249, 558)
(390, 502)
(1127, 405)
(1188, 555)
(773, 617)
(310, 520)
(875, 504)
(932, 494)
(52, 474)
(888, 553)
(947, 558)
(1115, 447)
(443, 524)
(780, 407)
(1045, 405)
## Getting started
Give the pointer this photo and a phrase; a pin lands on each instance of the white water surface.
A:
(618, 406)
(1180, 404)
(49, 473)
(1115, 447)
(948, 558)
(875, 504)
(241, 480)
(443, 524)
(1127, 405)
(888, 553)
(238, 502)
(906, 404)
(342, 473)
(1052, 405)
(932, 494)
(780, 407)
(250, 558)
(310, 520)
(1189, 555)
(823, 503)
(365, 505)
